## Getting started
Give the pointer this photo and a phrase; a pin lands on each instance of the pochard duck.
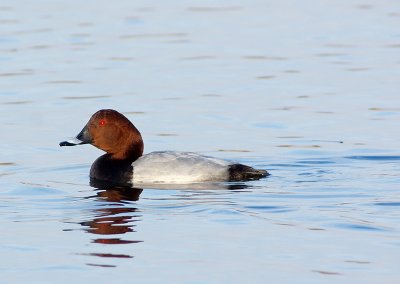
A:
(124, 162)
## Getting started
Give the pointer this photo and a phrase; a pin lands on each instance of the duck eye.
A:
(102, 122)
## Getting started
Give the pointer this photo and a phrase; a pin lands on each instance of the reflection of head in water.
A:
(119, 218)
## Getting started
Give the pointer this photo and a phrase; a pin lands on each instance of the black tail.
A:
(239, 172)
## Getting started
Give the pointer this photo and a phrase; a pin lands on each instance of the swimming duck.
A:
(124, 162)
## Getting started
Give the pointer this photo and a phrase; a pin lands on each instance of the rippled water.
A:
(306, 90)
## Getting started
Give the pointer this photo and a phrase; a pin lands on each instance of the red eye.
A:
(102, 122)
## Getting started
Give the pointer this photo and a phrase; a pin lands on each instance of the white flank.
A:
(178, 168)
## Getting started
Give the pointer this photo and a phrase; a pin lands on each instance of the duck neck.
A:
(132, 151)
(135, 151)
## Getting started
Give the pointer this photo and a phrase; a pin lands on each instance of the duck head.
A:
(111, 132)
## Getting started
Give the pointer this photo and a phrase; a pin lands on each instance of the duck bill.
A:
(82, 138)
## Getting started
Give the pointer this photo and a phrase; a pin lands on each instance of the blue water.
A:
(308, 91)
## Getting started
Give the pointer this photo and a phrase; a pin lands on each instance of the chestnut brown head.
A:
(111, 132)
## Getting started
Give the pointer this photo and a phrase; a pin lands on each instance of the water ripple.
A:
(375, 158)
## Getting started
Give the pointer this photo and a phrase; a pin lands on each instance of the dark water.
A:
(306, 90)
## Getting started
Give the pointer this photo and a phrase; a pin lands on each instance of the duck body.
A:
(125, 163)
(178, 167)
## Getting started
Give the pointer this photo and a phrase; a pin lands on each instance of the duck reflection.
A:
(116, 216)
(111, 221)
(114, 192)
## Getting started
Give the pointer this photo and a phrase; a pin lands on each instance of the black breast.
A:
(111, 170)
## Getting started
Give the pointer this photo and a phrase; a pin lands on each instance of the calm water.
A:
(309, 91)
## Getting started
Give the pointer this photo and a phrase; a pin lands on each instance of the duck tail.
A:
(239, 172)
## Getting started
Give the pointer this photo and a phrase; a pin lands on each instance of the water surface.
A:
(306, 90)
